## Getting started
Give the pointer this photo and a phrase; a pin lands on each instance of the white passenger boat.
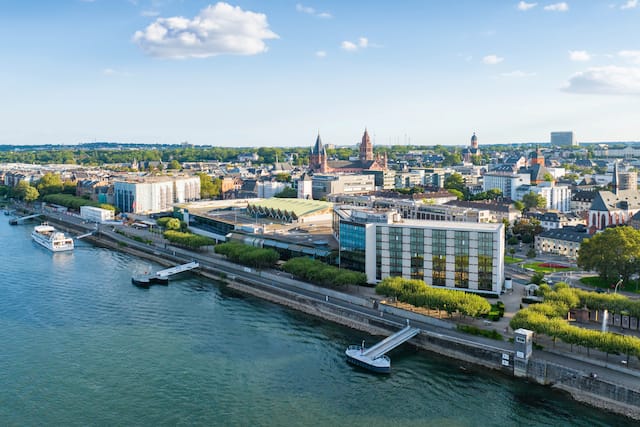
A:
(51, 238)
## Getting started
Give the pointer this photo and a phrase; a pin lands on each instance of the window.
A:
(417, 253)
(439, 257)
(485, 261)
(461, 249)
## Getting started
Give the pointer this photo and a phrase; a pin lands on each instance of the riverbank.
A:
(601, 392)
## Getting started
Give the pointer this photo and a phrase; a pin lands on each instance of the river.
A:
(80, 345)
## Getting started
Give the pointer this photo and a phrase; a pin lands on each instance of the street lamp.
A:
(605, 313)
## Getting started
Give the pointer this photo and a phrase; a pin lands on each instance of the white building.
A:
(155, 194)
(453, 255)
(93, 214)
(558, 197)
(505, 182)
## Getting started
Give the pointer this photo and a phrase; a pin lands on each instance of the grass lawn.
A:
(538, 267)
(597, 282)
(511, 260)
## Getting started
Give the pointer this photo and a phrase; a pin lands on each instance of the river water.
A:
(80, 345)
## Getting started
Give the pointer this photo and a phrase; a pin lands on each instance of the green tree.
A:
(518, 205)
(24, 191)
(287, 193)
(210, 188)
(50, 183)
(31, 194)
(613, 253)
(174, 164)
(533, 200)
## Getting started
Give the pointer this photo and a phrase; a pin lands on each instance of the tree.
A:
(518, 205)
(26, 192)
(50, 183)
(210, 188)
(174, 164)
(533, 200)
(548, 177)
(614, 253)
(287, 193)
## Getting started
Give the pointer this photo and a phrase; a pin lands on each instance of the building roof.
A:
(566, 234)
(294, 207)
(623, 199)
(449, 225)
(492, 206)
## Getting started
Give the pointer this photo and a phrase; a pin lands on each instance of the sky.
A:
(275, 73)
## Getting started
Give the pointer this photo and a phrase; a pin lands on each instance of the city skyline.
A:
(251, 73)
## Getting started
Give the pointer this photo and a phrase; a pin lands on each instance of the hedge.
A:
(318, 272)
(248, 255)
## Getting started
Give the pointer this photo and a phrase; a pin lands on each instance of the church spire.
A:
(366, 148)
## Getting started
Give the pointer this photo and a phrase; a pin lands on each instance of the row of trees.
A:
(322, 274)
(419, 294)
(248, 255)
(549, 318)
(188, 240)
(561, 293)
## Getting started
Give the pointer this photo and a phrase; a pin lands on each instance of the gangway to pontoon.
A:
(391, 342)
(165, 274)
(374, 358)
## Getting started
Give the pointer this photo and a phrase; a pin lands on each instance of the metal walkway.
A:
(165, 274)
(391, 342)
(16, 220)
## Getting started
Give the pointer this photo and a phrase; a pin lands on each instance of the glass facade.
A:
(461, 247)
(485, 261)
(417, 253)
(395, 251)
(378, 253)
(352, 246)
(439, 257)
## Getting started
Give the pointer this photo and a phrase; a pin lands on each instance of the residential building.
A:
(507, 182)
(155, 194)
(323, 185)
(565, 241)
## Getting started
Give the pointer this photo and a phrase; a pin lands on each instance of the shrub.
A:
(320, 273)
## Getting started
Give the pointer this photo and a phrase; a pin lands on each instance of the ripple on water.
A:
(81, 345)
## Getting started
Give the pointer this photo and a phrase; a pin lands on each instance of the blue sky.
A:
(273, 73)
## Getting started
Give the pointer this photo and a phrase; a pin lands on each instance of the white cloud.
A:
(610, 80)
(524, 6)
(305, 9)
(362, 43)
(217, 30)
(579, 55)
(631, 55)
(311, 11)
(492, 59)
(630, 4)
(557, 7)
(321, 54)
(349, 46)
(517, 73)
